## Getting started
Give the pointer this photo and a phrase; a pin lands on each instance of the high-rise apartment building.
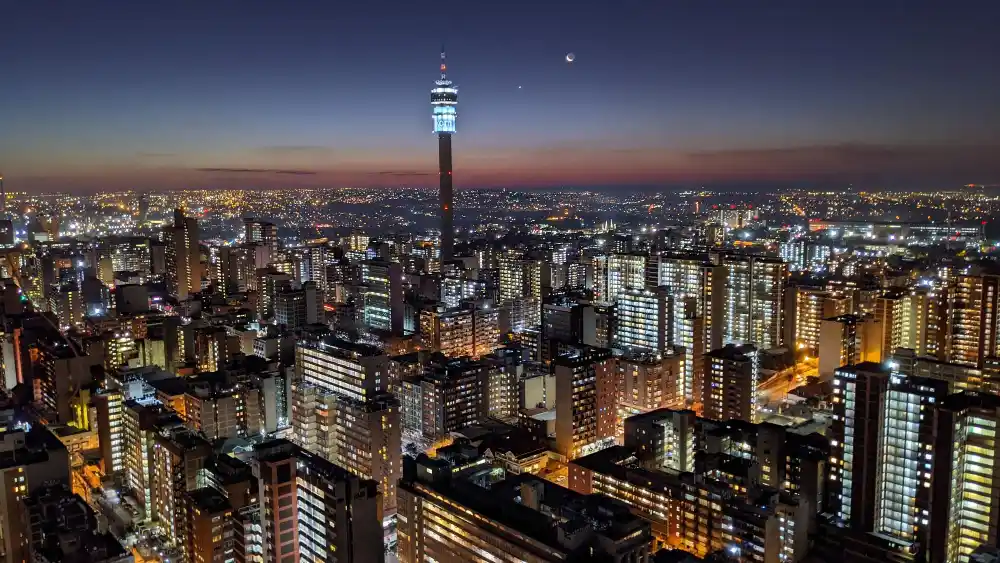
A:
(502, 388)
(643, 320)
(624, 271)
(890, 316)
(972, 319)
(538, 279)
(904, 487)
(383, 295)
(754, 300)
(752, 493)
(646, 382)
(912, 319)
(354, 370)
(847, 340)
(445, 516)
(256, 231)
(450, 332)
(61, 372)
(31, 460)
(61, 526)
(525, 314)
(566, 321)
(314, 510)
(906, 455)
(268, 285)
(732, 375)
(805, 309)
(183, 256)
(585, 417)
(208, 532)
(131, 255)
(294, 309)
(968, 473)
(456, 288)
(859, 395)
(698, 288)
(363, 438)
(318, 256)
(177, 456)
(448, 395)
(470, 331)
(663, 438)
(342, 410)
(218, 408)
(513, 283)
(110, 405)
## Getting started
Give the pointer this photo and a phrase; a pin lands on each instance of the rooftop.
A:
(22, 448)
(336, 345)
(733, 352)
(209, 500)
(971, 400)
(540, 520)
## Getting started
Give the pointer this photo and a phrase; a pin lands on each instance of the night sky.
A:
(151, 95)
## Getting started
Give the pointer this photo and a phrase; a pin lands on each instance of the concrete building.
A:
(295, 309)
(698, 288)
(181, 241)
(971, 419)
(585, 411)
(643, 320)
(805, 309)
(624, 272)
(471, 331)
(177, 456)
(566, 320)
(29, 461)
(448, 395)
(663, 439)
(61, 527)
(383, 295)
(314, 510)
(972, 319)
(847, 340)
(731, 379)
(754, 300)
(646, 382)
(750, 491)
(341, 409)
(450, 517)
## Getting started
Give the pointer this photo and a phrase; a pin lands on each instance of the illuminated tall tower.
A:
(444, 98)
(6, 225)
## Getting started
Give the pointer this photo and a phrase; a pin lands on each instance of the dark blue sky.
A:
(144, 94)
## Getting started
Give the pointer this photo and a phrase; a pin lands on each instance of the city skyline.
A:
(589, 282)
(121, 96)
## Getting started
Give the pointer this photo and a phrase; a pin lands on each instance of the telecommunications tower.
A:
(444, 98)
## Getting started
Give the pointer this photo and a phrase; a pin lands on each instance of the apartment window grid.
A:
(336, 374)
(900, 476)
(847, 447)
(973, 470)
(638, 322)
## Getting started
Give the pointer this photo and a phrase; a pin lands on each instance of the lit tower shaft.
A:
(444, 98)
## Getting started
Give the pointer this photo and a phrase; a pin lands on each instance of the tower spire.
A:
(444, 67)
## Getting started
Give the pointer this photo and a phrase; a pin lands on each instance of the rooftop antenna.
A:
(444, 67)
